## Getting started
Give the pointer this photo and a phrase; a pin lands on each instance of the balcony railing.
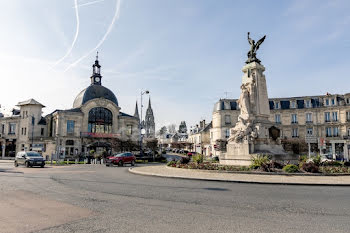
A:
(294, 122)
(309, 122)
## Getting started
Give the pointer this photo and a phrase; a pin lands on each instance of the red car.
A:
(121, 159)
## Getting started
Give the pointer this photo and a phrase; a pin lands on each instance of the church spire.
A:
(136, 114)
(149, 103)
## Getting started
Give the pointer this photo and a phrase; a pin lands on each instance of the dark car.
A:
(29, 159)
(121, 159)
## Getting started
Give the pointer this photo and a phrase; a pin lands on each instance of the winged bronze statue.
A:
(253, 48)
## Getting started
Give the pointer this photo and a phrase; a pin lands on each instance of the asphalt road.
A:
(95, 198)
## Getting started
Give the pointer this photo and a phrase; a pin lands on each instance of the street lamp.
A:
(142, 131)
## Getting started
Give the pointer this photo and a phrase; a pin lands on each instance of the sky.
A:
(187, 53)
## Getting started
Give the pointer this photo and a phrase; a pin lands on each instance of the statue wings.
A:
(259, 43)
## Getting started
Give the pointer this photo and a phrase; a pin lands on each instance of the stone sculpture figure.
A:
(253, 48)
(244, 127)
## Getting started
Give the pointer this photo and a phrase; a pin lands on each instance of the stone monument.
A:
(253, 134)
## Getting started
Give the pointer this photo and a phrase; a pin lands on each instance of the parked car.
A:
(121, 159)
(29, 159)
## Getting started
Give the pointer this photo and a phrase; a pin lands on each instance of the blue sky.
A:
(186, 53)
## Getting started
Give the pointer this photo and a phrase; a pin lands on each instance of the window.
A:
(349, 132)
(227, 120)
(278, 119)
(22, 130)
(2, 128)
(309, 117)
(333, 102)
(347, 116)
(70, 127)
(227, 133)
(295, 132)
(42, 131)
(277, 105)
(328, 132)
(309, 131)
(335, 132)
(12, 128)
(348, 100)
(129, 129)
(335, 116)
(25, 131)
(308, 103)
(100, 120)
(294, 119)
(327, 116)
(327, 102)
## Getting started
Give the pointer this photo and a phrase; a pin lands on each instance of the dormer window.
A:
(333, 101)
(292, 104)
(277, 105)
(308, 103)
(327, 102)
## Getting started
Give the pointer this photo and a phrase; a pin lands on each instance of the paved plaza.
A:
(95, 198)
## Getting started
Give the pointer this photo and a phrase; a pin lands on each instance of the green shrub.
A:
(171, 163)
(290, 168)
(316, 160)
(197, 158)
(302, 158)
(333, 169)
(332, 163)
(259, 160)
(347, 164)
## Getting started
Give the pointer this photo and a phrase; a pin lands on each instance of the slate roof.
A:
(94, 92)
(29, 102)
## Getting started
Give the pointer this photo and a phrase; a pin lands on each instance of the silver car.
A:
(29, 159)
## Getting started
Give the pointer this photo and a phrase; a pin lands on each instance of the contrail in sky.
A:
(115, 17)
(89, 3)
(75, 37)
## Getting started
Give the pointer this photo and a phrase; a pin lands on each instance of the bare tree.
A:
(172, 128)
(162, 131)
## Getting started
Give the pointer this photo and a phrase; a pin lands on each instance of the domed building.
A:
(95, 122)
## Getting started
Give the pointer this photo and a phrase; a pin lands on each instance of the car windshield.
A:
(33, 154)
(119, 155)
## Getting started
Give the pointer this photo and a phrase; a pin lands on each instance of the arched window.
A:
(100, 120)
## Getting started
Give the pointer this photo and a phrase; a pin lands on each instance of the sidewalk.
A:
(164, 171)
(6, 161)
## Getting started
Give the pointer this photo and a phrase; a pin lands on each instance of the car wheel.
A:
(27, 164)
(16, 164)
(120, 164)
(133, 163)
(43, 165)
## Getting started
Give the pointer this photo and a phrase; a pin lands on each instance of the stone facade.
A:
(323, 116)
(199, 138)
(93, 123)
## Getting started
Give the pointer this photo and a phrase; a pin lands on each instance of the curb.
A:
(234, 181)
(265, 173)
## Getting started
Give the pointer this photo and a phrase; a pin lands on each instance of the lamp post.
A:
(33, 122)
(142, 131)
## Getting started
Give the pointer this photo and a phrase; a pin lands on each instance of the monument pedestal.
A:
(253, 134)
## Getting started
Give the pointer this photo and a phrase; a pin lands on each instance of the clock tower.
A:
(96, 73)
